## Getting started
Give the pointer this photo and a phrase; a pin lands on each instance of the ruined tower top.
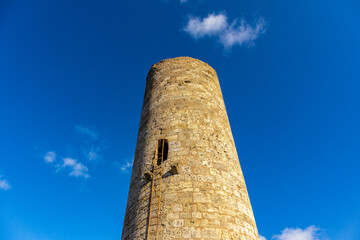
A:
(172, 62)
(186, 181)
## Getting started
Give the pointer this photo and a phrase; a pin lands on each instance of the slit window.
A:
(163, 148)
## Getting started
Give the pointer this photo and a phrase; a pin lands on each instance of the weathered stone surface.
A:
(206, 197)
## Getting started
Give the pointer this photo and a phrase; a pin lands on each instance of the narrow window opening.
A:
(163, 143)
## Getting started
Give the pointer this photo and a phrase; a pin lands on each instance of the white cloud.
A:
(4, 184)
(50, 157)
(87, 131)
(91, 150)
(309, 233)
(79, 170)
(76, 169)
(68, 162)
(123, 167)
(209, 26)
(262, 238)
(216, 25)
(243, 34)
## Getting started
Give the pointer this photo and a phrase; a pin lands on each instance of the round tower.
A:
(186, 180)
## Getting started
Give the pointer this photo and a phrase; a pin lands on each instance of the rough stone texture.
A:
(208, 198)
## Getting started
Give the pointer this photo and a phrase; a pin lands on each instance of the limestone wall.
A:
(208, 198)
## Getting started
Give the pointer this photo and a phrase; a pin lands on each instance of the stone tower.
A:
(186, 180)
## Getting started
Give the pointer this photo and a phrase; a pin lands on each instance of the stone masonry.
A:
(207, 197)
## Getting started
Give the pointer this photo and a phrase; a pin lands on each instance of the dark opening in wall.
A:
(163, 148)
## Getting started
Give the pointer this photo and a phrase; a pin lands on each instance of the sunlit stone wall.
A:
(208, 198)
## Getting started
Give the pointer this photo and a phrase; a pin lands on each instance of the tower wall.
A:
(207, 199)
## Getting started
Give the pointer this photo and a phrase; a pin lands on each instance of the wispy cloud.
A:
(87, 131)
(238, 32)
(92, 152)
(76, 169)
(50, 157)
(243, 34)
(124, 167)
(4, 184)
(309, 233)
(93, 143)
(262, 238)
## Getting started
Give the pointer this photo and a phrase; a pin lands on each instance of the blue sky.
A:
(72, 79)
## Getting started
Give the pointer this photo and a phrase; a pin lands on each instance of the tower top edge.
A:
(178, 61)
